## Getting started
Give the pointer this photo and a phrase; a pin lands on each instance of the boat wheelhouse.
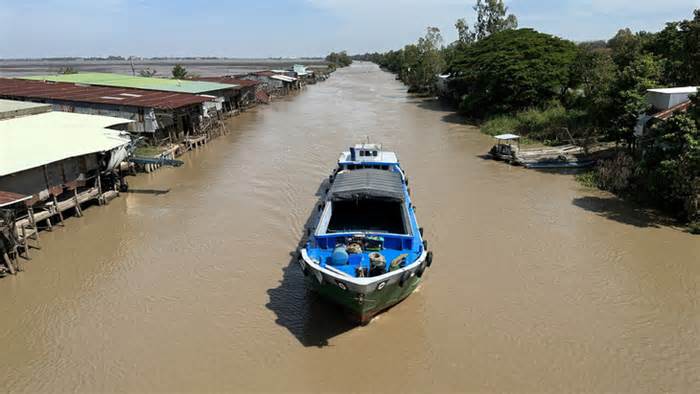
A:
(365, 250)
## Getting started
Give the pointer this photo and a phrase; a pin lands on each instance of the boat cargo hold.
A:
(365, 250)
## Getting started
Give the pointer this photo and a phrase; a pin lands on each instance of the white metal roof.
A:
(507, 137)
(13, 109)
(682, 89)
(382, 157)
(36, 140)
(283, 78)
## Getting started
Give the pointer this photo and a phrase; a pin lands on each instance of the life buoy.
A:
(404, 277)
(429, 258)
(421, 269)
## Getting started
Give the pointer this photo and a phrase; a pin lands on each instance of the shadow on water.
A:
(154, 192)
(311, 319)
(619, 210)
(451, 115)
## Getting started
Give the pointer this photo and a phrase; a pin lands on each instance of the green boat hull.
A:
(361, 308)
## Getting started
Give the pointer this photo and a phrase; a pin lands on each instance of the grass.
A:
(588, 178)
(533, 125)
(148, 151)
(694, 228)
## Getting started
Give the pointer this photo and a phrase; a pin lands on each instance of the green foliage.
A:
(500, 124)
(694, 228)
(423, 61)
(670, 166)
(553, 125)
(678, 45)
(587, 178)
(629, 95)
(626, 46)
(179, 72)
(339, 59)
(512, 70)
(492, 17)
(68, 70)
(147, 72)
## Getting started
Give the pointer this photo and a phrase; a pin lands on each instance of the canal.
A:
(186, 283)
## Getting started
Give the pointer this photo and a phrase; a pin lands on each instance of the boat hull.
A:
(362, 301)
(362, 307)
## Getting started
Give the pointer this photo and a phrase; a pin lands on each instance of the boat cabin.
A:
(366, 156)
(506, 148)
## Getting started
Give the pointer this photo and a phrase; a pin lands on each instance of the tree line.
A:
(551, 89)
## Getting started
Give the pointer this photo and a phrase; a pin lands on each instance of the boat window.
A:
(374, 153)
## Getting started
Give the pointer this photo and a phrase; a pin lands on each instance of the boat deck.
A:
(362, 260)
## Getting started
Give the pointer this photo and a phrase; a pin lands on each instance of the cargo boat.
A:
(365, 250)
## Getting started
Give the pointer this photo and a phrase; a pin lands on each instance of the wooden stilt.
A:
(100, 198)
(8, 263)
(58, 210)
(32, 221)
(49, 224)
(78, 210)
(25, 243)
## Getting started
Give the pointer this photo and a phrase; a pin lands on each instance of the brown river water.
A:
(186, 282)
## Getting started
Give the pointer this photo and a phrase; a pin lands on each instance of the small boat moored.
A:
(365, 251)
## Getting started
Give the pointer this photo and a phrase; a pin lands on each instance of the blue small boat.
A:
(365, 250)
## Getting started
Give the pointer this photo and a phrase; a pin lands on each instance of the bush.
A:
(500, 124)
(694, 228)
(616, 174)
(549, 125)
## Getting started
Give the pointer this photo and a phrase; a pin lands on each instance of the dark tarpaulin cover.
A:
(367, 183)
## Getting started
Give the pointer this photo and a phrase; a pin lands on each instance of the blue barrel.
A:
(339, 256)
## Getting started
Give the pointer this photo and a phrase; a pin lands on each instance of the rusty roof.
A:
(28, 89)
(229, 80)
(8, 198)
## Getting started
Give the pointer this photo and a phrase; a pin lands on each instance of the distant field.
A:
(209, 67)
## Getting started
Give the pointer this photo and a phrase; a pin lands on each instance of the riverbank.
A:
(60, 182)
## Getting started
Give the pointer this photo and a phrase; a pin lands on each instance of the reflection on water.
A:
(187, 282)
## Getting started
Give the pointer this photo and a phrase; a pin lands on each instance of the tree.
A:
(512, 70)
(423, 61)
(625, 46)
(492, 17)
(629, 95)
(68, 70)
(148, 72)
(670, 166)
(593, 76)
(464, 35)
(340, 59)
(179, 72)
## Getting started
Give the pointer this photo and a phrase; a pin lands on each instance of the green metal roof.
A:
(128, 81)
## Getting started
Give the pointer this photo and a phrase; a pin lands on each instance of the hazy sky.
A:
(43, 28)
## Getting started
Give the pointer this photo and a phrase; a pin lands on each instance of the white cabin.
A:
(371, 153)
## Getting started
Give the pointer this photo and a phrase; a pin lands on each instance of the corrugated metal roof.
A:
(13, 108)
(128, 81)
(229, 80)
(22, 88)
(45, 138)
(283, 78)
(367, 183)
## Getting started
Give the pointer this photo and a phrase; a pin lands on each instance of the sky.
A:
(290, 28)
